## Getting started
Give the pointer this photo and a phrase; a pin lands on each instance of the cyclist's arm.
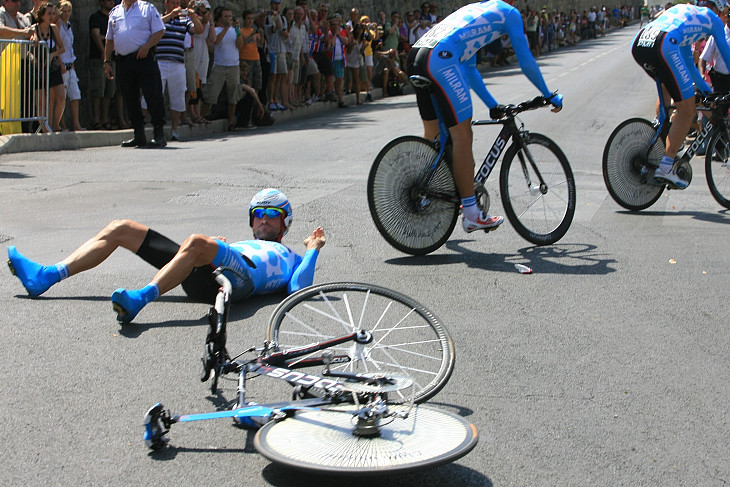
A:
(701, 84)
(474, 77)
(524, 56)
(303, 274)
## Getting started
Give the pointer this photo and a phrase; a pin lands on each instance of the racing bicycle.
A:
(636, 146)
(413, 197)
(360, 359)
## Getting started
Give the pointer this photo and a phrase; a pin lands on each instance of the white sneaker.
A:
(174, 135)
(484, 222)
(669, 177)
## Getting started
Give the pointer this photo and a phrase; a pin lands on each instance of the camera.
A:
(366, 35)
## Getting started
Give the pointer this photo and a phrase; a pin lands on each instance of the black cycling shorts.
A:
(654, 52)
(157, 250)
(418, 64)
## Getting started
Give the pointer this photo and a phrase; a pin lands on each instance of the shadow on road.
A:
(579, 259)
(450, 474)
(721, 216)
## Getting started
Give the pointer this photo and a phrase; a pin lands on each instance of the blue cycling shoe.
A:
(32, 275)
(127, 304)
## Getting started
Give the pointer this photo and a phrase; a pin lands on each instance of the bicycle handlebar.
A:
(224, 282)
(716, 98)
(507, 111)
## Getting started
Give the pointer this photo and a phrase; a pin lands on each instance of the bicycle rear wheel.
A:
(323, 442)
(407, 337)
(540, 214)
(717, 170)
(396, 189)
(627, 170)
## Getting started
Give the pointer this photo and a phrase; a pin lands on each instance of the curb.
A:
(17, 143)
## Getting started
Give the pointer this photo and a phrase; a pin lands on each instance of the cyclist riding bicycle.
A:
(267, 264)
(664, 49)
(446, 55)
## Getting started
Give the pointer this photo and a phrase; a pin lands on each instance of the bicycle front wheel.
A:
(323, 442)
(629, 164)
(412, 217)
(717, 170)
(541, 213)
(407, 337)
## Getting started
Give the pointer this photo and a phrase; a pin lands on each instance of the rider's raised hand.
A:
(316, 240)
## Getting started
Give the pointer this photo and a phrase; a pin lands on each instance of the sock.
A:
(666, 164)
(149, 293)
(62, 271)
(469, 208)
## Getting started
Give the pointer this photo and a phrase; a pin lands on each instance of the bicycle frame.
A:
(280, 365)
(509, 131)
(664, 124)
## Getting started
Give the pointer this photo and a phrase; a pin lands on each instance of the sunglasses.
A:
(260, 212)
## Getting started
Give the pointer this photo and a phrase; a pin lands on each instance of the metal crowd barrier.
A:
(24, 87)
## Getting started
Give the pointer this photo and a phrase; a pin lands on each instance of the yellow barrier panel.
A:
(10, 88)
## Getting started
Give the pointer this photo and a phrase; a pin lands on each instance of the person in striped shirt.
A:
(171, 56)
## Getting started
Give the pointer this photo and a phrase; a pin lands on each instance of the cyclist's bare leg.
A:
(685, 113)
(667, 100)
(119, 233)
(463, 157)
(430, 129)
(195, 251)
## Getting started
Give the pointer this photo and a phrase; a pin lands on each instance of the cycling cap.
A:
(272, 198)
(720, 4)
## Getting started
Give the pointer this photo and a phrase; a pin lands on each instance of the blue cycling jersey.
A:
(453, 44)
(275, 267)
(671, 36)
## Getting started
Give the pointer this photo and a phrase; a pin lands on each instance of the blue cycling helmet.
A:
(272, 198)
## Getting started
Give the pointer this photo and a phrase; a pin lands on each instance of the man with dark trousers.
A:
(134, 28)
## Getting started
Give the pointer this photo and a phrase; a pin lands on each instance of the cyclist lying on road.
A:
(267, 264)
(446, 55)
(664, 49)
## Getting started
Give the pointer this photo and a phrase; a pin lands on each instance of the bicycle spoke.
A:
(406, 338)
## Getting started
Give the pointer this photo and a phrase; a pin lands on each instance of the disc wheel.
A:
(323, 442)
(626, 167)
(717, 170)
(541, 213)
(412, 217)
(406, 337)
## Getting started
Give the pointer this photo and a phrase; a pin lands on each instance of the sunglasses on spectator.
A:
(260, 212)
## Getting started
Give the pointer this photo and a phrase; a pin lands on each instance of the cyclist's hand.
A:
(557, 102)
(316, 240)
(497, 112)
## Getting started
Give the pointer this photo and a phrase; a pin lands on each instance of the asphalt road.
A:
(607, 366)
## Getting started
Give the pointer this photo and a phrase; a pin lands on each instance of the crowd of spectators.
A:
(274, 59)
